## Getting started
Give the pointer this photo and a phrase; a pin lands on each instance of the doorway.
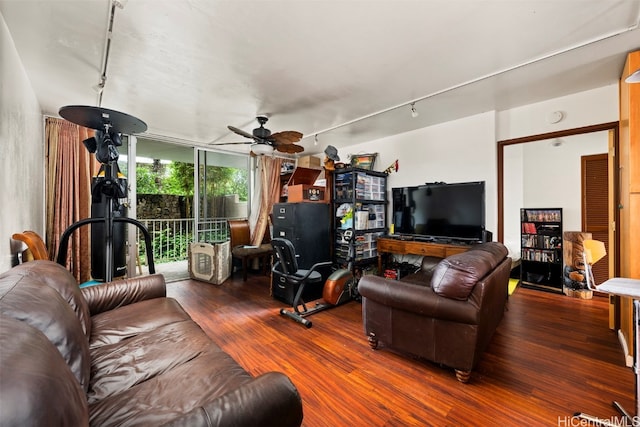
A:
(505, 182)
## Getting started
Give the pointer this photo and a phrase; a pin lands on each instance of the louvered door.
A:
(595, 207)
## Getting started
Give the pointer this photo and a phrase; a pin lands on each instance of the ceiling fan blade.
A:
(240, 132)
(286, 137)
(289, 148)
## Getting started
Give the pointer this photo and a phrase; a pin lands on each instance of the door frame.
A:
(614, 176)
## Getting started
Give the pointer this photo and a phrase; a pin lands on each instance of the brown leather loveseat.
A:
(447, 312)
(120, 353)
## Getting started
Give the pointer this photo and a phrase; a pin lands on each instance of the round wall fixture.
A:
(556, 142)
(555, 117)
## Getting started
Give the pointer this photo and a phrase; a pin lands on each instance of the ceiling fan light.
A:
(261, 149)
(633, 77)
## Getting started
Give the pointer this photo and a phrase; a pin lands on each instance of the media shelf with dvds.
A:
(541, 248)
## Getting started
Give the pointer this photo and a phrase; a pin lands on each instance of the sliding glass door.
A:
(181, 194)
(222, 192)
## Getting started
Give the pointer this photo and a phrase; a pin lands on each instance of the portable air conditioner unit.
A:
(210, 262)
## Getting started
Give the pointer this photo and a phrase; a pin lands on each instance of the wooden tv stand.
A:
(389, 245)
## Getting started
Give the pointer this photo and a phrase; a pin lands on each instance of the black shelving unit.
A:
(541, 248)
(364, 194)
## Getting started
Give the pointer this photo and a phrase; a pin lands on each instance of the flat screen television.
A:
(440, 211)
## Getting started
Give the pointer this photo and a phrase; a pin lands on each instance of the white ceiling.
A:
(345, 70)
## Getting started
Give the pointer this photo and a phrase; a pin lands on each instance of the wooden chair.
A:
(35, 244)
(242, 249)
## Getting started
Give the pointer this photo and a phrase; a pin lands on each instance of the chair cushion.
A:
(248, 251)
(313, 277)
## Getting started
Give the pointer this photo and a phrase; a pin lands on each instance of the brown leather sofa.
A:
(120, 353)
(447, 312)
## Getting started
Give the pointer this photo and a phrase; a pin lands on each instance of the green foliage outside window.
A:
(167, 246)
(146, 180)
(222, 181)
(177, 178)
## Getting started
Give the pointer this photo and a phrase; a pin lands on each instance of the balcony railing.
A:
(171, 237)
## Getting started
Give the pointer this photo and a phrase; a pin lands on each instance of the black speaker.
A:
(487, 236)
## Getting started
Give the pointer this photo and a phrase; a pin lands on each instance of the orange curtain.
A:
(68, 188)
(269, 169)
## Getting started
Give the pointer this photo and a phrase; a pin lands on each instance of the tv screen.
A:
(451, 211)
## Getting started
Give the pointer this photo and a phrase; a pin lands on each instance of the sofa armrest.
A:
(110, 295)
(416, 298)
(269, 400)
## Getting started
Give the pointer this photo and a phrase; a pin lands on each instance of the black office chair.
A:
(287, 266)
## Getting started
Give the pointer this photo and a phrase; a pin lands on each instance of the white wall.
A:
(465, 150)
(457, 151)
(513, 199)
(21, 138)
(551, 175)
(581, 109)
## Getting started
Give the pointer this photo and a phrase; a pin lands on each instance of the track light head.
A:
(414, 112)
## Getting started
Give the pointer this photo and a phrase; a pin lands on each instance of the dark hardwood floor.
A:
(550, 357)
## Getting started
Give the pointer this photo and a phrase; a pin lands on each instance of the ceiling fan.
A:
(264, 142)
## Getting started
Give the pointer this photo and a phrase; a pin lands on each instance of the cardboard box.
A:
(301, 188)
(311, 162)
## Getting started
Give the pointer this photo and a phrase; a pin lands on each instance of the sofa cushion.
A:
(155, 401)
(128, 321)
(37, 387)
(429, 263)
(422, 277)
(125, 364)
(59, 278)
(27, 299)
(456, 276)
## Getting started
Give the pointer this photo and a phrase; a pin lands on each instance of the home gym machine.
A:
(108, 216)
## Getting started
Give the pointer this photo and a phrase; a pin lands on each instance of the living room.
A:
(456, 150)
